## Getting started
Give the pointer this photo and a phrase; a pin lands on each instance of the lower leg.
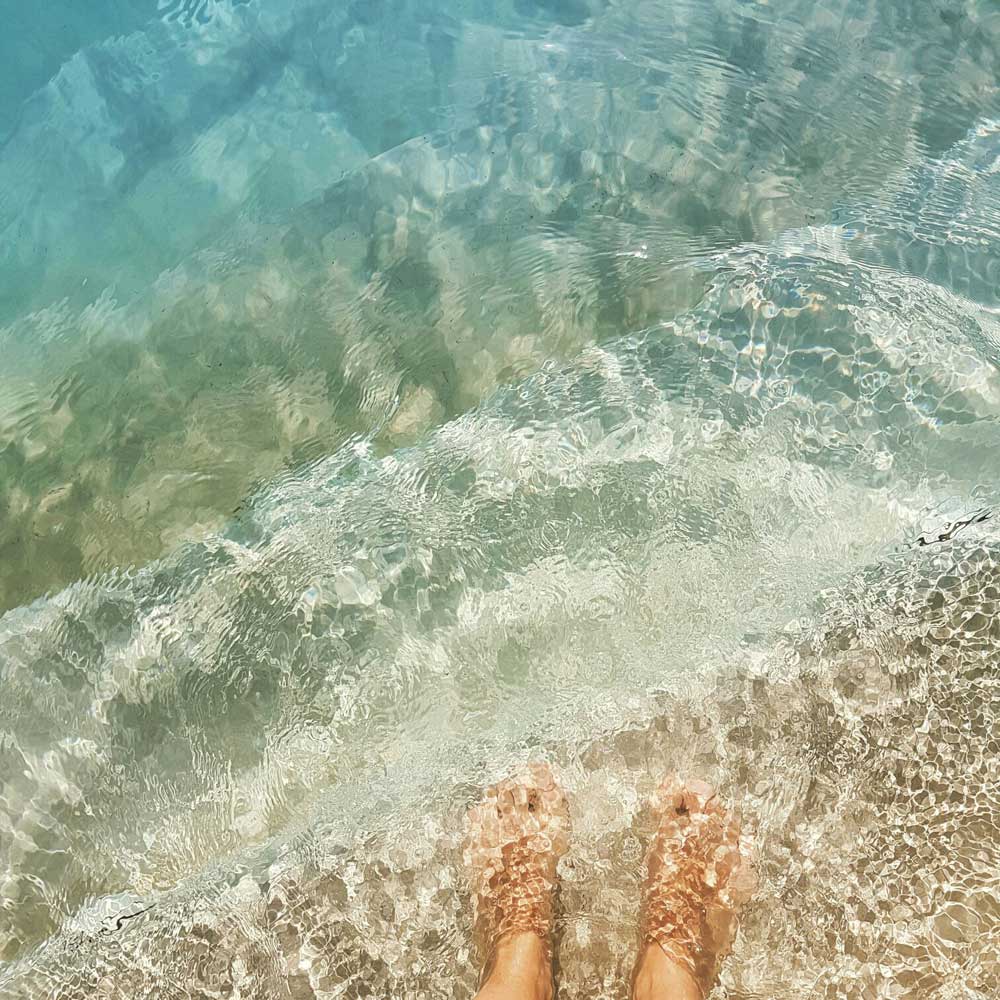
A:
(698, 877)
(515, 837)
(520, 969)
(658, 977)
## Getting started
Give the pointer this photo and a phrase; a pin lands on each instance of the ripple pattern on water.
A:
(395, 393)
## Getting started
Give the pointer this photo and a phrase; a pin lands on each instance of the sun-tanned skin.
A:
(516, 836)
(698, 876)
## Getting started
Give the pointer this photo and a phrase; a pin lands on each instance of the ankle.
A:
(520, 966)
(659, 977)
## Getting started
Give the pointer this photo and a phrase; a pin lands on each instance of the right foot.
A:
(698, 878)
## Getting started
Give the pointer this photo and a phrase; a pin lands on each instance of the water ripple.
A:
(388, 399)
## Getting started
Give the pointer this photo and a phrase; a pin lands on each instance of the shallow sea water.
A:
(393, 392)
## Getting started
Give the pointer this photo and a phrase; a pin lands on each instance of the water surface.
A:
(395, 391)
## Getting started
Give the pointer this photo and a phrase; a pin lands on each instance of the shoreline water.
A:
(391, 394)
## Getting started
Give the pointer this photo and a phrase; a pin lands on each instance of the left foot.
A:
(515, 838)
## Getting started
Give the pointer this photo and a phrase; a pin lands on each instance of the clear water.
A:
(392, 391)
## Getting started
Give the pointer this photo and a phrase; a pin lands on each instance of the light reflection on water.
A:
(390, 396)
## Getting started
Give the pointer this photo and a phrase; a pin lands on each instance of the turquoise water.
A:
(393, 391)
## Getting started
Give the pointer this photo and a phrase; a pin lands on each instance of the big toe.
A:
(698, 795)
(677, 797)
(530, 801)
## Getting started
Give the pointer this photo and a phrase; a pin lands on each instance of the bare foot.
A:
(515, 838)
(698, 877)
